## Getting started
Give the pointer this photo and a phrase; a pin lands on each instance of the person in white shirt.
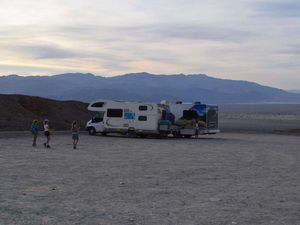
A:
(197, 127)
(47, 133)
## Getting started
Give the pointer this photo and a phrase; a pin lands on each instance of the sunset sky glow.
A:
(255, 40)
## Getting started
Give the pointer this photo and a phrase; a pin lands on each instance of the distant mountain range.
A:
(143, 87)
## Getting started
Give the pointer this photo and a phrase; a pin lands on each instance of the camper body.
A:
(163, 119)
(124, 117)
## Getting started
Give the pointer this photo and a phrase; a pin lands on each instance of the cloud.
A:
(293, 50)
(281, 9)
(160, 32)
(46, 51)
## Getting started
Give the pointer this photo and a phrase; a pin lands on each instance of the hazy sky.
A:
(256, 40)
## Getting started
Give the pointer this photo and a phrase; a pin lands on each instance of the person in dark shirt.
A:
(34, 131)
(75, 133)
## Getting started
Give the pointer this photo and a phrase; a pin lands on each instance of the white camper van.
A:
(142, 118)
(124, 117)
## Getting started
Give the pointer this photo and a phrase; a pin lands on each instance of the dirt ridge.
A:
(18, 111)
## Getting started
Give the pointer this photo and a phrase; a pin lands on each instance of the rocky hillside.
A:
(18, 111)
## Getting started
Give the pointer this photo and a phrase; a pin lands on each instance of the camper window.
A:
(114, 113)
(142, 118)
(98, 104)
(143, 108)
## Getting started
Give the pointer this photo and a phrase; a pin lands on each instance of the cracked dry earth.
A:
(229, 178)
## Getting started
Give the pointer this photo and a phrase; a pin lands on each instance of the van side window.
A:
(142, 118)
(114, 112)
(98, 104)
(143, 108)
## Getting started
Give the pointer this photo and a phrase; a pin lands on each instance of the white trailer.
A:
(144, 118)
(187, 114)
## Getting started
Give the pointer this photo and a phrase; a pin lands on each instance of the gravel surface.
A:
(229, 178)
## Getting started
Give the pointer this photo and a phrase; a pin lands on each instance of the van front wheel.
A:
(92, 131)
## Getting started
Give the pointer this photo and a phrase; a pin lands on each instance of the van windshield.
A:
(98, 117)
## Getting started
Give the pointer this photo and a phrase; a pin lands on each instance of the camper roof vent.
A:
(179, 102)
(165, 102)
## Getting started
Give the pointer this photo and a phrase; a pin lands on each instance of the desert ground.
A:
(228, 178)
(260, 118)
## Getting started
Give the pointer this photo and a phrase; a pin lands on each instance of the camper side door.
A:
(212, 118)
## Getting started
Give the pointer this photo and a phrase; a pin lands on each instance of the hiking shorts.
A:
(47, 133)
(75, 136)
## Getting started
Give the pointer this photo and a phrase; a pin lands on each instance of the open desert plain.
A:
(137, 81)
(235, 177)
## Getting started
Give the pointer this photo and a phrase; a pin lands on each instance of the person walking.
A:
(34, 131)
(47, 133)
(75, 133)
(197, 127)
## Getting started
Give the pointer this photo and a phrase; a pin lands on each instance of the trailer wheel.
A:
(176, 134)
(163, 135)
(92, 131)
(142, 135)
(187, 136)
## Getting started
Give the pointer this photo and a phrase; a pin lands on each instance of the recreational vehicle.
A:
(160, 119)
